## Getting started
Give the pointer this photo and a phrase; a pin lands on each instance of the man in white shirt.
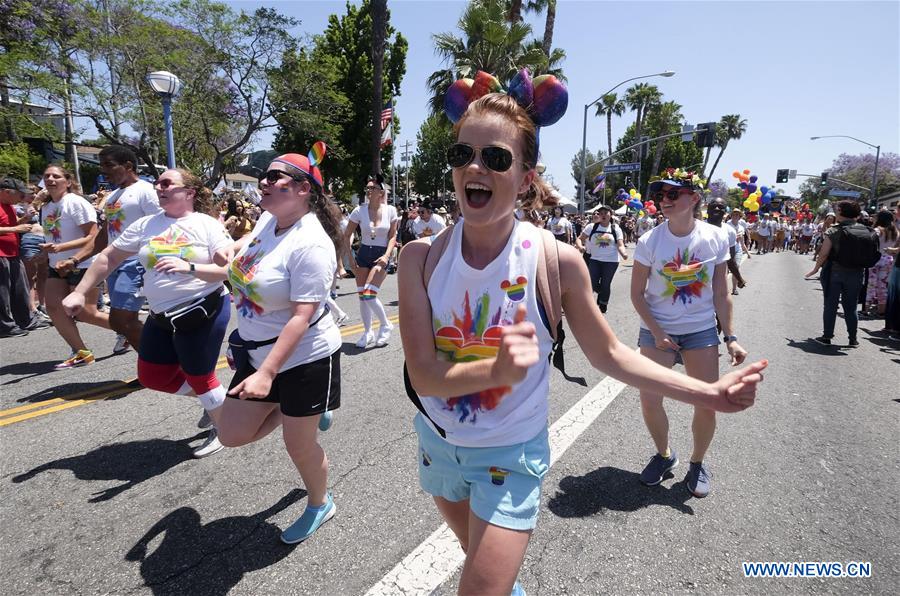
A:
(428, 224)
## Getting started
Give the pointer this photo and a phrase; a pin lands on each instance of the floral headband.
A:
(545, 98)
(679, 177)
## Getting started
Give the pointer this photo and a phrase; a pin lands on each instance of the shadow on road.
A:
(111, 390)
(614, 489)
(131, 463)
(194, 558)
(30, 370)
(811, 347)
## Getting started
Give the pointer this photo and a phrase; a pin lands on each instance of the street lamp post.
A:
(877, 155)
(166, 86)
(667, 73)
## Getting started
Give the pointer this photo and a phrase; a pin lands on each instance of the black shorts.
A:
(367, 255)
(305, 390)
(72, 278)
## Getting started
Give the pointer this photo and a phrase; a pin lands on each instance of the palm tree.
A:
(490, 43)
(379, 26)
(515, 11)
(538, 6)
(610, 104)
(664, 118)
(731, 127)
(640, 97)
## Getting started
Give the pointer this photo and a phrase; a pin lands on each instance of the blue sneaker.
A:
(697, 480)
(325, 420)
(658, 467)
(517, 590)
(309, 522)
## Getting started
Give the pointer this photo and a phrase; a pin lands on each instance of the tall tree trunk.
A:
(657, 158)
(548, 26)
(638, 121)
(8, 128)
(515, 11)
(706, 161)
(379, 24)
(609, 132)
(721, 151)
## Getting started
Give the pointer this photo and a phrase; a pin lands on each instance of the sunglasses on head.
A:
(672, 195)
(273, 176)
(494, 158)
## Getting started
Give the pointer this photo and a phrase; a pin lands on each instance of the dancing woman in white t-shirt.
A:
(477, 350)
(377, 222)
(679, 287)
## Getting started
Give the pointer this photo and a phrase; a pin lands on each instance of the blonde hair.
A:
(203, 201)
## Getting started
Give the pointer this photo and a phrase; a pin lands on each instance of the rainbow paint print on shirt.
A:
(685, 276)
(115, 217)
(52, 226)
(470, 337)
(171, 243)
(603, 239)
(247, 301)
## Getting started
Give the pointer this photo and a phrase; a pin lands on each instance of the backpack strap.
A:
(549, 289)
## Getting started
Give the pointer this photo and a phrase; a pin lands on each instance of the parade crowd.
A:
(483, 283)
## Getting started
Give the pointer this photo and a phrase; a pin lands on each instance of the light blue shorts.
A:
(124, 285)
(502, 484)
(687, 341)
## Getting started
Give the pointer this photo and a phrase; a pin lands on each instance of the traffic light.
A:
(706, 134)
(824, 179)
(782, 176)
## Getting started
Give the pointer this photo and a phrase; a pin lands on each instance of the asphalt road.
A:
(100, 495)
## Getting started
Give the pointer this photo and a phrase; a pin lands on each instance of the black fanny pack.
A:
(190, 316)
(238, 353)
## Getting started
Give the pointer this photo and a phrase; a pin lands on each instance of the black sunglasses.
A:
(672, 195)
(497, 159)
(272, 176)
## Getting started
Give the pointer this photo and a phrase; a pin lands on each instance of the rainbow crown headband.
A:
(545, 98)
(307, 164)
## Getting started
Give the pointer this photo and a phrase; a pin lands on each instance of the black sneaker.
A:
(853, 343)
(15, 332)
(824, 340)
(658, 467)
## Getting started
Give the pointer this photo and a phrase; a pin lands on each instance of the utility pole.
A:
(406, 157)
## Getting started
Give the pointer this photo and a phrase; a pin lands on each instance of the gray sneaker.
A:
(210, 446)
(658, 467)
(697, 479)
(205, 421)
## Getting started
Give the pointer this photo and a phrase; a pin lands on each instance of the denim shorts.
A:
(687, 341)
(30, 245)
(502, 484)
(124, 286)
(367, 255)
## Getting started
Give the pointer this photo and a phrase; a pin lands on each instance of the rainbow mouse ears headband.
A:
(307, 164)
(545, 98)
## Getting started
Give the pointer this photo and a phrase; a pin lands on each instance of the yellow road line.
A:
(80, 398)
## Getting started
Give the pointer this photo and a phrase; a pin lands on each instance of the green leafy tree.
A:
(665, 118)
(429, 170)
(590, 171)
(610, 105)
(640, 97)
(731, 128)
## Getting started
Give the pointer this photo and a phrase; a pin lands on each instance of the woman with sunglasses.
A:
(288, 362)
(377, 222)
(679, 287)
(477, 350)
(176, 249)
(70, 223)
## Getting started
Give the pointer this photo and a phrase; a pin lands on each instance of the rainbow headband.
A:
(307, 164)
(545, 98)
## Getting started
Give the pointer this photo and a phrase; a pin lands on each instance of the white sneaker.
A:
(205, 421)
(342, 320)
(210, 446)
(384, 336)
(365, 340)
(122, 345)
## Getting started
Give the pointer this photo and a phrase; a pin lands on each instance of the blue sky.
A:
(792, 69)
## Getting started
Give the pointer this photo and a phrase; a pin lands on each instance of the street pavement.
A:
(100, 494)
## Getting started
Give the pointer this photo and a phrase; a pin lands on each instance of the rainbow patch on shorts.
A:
(498, 475)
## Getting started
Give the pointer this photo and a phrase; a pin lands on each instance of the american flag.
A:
(387, 116)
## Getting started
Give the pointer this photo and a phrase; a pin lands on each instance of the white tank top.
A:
(469, 307)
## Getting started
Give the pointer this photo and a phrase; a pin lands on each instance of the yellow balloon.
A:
(641, 213)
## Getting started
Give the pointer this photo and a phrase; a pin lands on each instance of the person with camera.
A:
(189, 307)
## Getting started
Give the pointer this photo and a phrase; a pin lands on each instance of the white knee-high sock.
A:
(377, 307)
(364, 310)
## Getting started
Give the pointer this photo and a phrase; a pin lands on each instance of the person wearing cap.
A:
(17, 317)
(428, 224)
(678, 287)
(607, 242)
(377, 223)
(287, 347)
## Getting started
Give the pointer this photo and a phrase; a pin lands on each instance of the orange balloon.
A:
(746, 171)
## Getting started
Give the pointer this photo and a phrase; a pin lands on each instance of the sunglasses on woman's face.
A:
(166, 184)
(273, 176)
(498, 159)
(672, 195)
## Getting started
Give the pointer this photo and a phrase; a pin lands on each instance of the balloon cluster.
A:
(753, 194)
(633, 200)
(650, 207)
